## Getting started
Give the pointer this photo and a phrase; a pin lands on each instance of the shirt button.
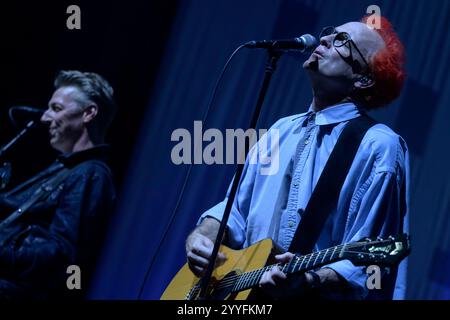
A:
(291, 224)
(306, 141)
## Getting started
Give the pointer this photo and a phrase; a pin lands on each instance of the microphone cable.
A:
(187, 176)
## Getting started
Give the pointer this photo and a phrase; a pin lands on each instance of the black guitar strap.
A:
(325, 195)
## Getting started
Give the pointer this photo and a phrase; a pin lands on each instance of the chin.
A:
(307, 63)
(312, 64)
(56, 146)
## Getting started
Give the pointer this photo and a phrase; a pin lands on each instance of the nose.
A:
(326, 41)
(45, 118)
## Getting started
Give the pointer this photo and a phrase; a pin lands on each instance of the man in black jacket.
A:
(66, 226)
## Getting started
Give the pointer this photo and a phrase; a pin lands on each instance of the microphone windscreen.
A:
(309, 41)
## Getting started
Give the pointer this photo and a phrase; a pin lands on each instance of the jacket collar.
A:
(99, 152)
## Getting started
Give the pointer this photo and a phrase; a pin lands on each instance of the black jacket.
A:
(64, 229)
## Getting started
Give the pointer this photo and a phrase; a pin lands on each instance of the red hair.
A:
(387, 68)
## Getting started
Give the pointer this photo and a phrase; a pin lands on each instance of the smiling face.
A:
(64, 118)
(326, 61)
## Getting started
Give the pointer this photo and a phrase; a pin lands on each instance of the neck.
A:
(328, 92)
(321, 103)
(83, 143)
(83, 146)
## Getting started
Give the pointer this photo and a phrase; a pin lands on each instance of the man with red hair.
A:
(354, 69)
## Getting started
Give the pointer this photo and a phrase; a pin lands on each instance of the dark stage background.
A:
(123, 41)
(163, 58)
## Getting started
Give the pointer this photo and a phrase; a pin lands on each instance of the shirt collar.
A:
(99, 152)
(335, 114)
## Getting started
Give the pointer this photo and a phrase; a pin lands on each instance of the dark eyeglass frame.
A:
(342, 39)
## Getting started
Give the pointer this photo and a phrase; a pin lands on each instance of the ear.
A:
(90, 113)
(364, 82)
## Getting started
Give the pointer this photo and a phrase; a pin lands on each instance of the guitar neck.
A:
(304, 263)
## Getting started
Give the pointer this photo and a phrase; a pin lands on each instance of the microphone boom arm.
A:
(7, 146)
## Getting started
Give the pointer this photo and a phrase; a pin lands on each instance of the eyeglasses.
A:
(342, 39)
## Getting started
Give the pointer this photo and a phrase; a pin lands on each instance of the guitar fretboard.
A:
(304, 263)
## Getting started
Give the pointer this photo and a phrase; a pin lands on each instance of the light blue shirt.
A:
(374, 199)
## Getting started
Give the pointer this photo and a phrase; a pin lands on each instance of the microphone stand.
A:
(5, 170)
(273, 57)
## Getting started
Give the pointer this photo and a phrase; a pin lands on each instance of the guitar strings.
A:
(230, 281)
(255, 274)
(252, 275)
(226, 282)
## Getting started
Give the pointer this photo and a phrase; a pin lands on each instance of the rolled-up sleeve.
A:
(237, 222)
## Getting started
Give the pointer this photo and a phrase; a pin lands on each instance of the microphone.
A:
(20, 115)
(25, 118)
(25, 110)
(303, 43)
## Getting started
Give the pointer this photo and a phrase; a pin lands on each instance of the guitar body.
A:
(238, 261)
(243, 269)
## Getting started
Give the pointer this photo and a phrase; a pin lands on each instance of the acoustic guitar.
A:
(243, 269)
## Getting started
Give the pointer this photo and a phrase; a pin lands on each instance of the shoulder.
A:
(90, 170)
(94, 167)
(281, 128)
(287, 122)
(388, 148)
